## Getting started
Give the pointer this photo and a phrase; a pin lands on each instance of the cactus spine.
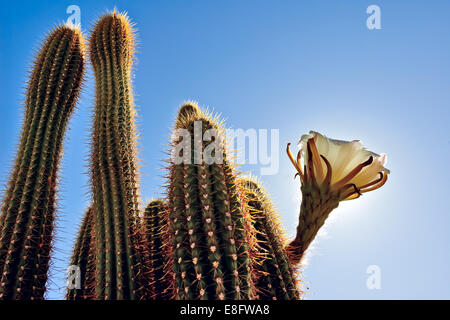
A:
(209, 235)
(83, 257)
(159, 281)
(275, 278)
(28, 207)
(114, 165)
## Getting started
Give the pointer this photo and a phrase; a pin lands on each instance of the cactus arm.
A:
(114, 169)
(45, 245)
(274, 276)
(82, 258)
(210, 256)
(281, 264)
(41, 59)
(102, 223)
(155, 226)
(118, 196)
(29, 203)
(271, 284)
(73, 293)
(179, 232)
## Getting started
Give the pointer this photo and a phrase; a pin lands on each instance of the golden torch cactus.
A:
(332, 171)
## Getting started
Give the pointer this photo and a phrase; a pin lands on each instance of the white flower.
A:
(339, 166)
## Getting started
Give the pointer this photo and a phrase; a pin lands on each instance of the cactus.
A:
(274, 277)
(28, 207)
(208, 231)
(114, 172)
(83, 257)
(159, 281)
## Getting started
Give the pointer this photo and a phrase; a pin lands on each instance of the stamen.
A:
(352, 173)
(300, 173)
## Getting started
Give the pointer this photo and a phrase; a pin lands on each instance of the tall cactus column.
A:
(28, 207)
(209, 236)
(114, 165)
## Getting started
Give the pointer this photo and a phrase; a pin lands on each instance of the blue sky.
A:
(294, 66)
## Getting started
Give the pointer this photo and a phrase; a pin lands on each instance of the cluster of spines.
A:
(83, 258)
(274, 276)
(159, 283)
(114, 172)
(209, 237)
(28, 208)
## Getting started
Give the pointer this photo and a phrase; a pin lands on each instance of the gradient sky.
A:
(289, 65)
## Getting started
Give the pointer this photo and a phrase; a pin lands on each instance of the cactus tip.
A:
(189, 108)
